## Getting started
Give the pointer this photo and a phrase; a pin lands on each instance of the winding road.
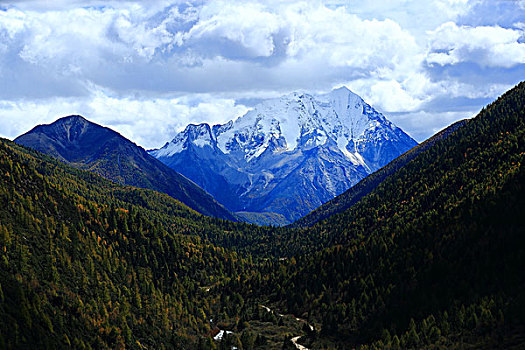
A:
(295, 339)
(298, 346)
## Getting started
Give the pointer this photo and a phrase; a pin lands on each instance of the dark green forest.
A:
(430, 256)
(90, 264)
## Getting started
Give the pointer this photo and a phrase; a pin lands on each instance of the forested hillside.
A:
(430, 258)
(433, 255)
(86, 263)
(86, 145)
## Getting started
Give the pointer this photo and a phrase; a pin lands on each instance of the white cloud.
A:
(456, 89)
(12, 22)
(248, 24)
(392, 97)
(421, 125)
(452, 8)
(142, 56)
(344, 39)
(416, 16)
(149, 123)
(83, 41)
(485, 45)
(138, 37)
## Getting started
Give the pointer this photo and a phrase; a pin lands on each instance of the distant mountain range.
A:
(86, 145)
(288, 155)
(273, 165)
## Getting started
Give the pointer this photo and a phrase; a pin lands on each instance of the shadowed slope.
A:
(89, 146)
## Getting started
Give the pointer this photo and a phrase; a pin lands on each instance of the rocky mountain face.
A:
(288, 155)
(350, 197)
(86, 145)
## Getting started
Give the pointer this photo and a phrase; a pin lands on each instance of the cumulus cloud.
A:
(249, 25)
(127, 63)
(484, 45)
(148, 122)
(107, 45)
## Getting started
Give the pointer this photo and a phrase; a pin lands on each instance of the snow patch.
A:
(202, 142)
(169, 150)
(221, 334)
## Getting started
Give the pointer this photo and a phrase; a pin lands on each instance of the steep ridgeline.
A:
(365, 186)
(89, 146)
(287, 156)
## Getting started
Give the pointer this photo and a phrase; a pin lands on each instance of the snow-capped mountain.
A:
(287, 155)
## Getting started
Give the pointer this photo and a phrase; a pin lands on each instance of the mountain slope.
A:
(431, 258)
(288, 155)
(87, 263)
(365, 186)
(89, 146)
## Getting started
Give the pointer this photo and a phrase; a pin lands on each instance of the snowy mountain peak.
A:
(200, 135)
(197, 132)
(344, 94)
(293, 121)
(287, 155)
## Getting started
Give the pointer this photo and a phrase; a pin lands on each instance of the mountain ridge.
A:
(365, 186)
(87, 145)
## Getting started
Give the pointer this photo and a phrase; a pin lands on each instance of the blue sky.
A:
(147, 68)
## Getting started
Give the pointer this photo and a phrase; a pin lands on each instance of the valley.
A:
(427, 254)
(262, 175)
